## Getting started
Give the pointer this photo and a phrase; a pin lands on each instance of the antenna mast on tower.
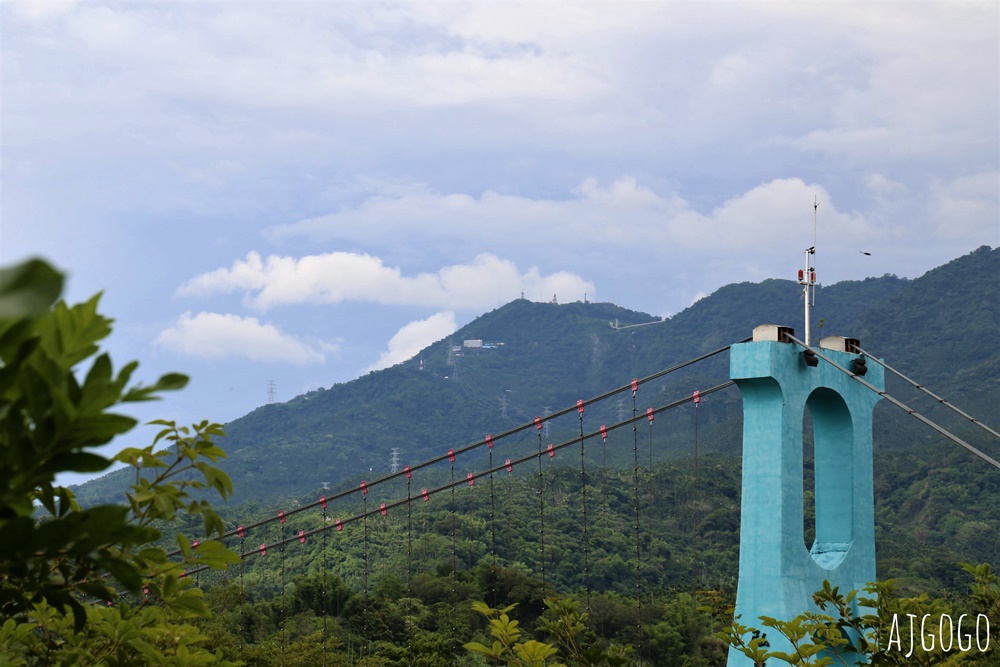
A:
(807, 277)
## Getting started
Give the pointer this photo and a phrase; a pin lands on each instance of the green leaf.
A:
(98, 429)
(28, 289)
(168, 382)
(78, 462)
(17, 341)
(154, 554)
(171, 382)
(185, 544)
(96, 590)
(215, 555)
(148, 651)
(100, 372)
(46, 496)
(124, 573)
(188, 604)
(71, 334)
(67, 501)
(534, 652)
(16, 537)
(476, 647)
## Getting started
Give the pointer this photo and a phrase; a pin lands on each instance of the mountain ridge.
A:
(546, 356)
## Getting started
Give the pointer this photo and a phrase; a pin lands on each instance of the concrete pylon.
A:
(778, 573)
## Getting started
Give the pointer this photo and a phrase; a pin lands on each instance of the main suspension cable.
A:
(943, 431)
(930, 393)
(480, 443)
(549, 450)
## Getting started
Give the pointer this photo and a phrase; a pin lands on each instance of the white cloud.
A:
(35, 10)
(624, 230)
(769, 213)
(882, 186)
(221, 92)
(342, 57)
(903, 79)
(594, 215)
(339, 277)
(622, 215)
(967, 206)
(218, 336)
(415, 336)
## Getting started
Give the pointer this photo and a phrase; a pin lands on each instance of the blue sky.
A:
(303, 192)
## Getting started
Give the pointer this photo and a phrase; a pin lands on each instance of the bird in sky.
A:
(865, 253)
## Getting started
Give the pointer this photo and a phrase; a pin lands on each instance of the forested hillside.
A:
(938, 329)
(658, 520)
(399, 587)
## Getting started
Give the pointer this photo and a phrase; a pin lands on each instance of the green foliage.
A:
(985, 595)
(56, 557)
(506, 636)
(564, 623)
(567, 627)
(933, 509)
(121, 635)
(851, 627)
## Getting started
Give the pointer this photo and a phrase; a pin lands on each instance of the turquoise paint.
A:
(778, 574)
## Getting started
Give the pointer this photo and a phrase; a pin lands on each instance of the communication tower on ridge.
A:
(270, 391)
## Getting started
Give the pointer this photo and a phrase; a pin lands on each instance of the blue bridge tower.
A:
(778, 572)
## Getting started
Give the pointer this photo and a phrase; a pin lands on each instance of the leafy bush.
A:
(92, 585)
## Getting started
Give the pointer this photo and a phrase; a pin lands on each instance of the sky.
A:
(293, 194)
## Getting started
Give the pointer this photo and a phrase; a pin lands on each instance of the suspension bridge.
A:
(838, 381)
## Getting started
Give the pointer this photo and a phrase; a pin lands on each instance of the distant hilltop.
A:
(524, 358)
